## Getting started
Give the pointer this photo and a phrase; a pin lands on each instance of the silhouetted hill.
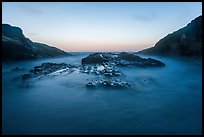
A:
(15, 46)
(186, 41)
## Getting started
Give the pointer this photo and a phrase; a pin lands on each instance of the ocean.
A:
(164, 100)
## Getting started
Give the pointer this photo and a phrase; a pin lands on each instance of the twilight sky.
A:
(99, 26)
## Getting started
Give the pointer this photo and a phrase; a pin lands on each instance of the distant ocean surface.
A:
(165, 100)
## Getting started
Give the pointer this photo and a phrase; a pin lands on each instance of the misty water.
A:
(164, 100)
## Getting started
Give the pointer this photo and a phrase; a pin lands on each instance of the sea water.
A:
(164, 100)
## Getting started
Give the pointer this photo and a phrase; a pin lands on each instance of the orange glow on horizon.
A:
(99, 47)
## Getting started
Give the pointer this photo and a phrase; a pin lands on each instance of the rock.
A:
(17, 69)
(186, 41)
(154, 62)
(16, 47)
(129, 57)
(104, 69)
(48, 68)
(96, 58)
(121, 59)
(145, 81)
(26, 76)
(90, 84)
(111, 72)
(109, 84)
(99, 58)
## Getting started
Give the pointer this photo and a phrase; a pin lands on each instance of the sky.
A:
(99, 26)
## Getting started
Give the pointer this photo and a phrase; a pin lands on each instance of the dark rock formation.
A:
(121, 59)
(47, 69)
(184, 42)
(109, 84)
(15, 46)
(104, 69)
(97, 58)
(129, 57)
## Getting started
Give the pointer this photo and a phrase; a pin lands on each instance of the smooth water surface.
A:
(164, 100)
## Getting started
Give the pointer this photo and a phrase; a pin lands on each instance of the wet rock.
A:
(17, 69)
(48, 68)
(91, 84)
(96, 58)
(26, 76)
(145, 81)
(99, 58)
(154, 62)
(111, 72)
(109, 84)
(121, 59)
(104, 69)
(129, 57)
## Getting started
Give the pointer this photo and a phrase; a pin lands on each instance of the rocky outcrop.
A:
(104, 69)
(108, 84)
(47, 68)
(184, 42)
(15, 46)
(121, 59)
(99, 58)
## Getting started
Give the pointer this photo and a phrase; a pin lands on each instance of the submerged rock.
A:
(121, 59)
(26, 76)
(154, 62)
(109, 84)
(17, 69)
